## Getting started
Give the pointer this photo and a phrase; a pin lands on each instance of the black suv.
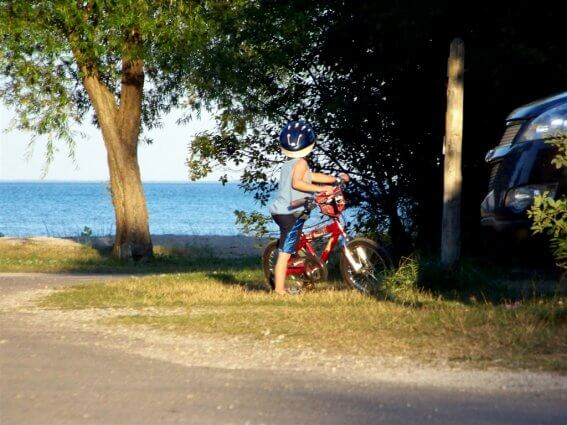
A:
(521, 164)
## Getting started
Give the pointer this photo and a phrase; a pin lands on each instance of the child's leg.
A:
(290, 229)
(280, 270)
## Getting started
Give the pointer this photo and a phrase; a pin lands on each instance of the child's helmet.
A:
(297, 139)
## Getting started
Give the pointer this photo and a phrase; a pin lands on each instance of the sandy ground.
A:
(39, 240)
(231, 246)
(228, 246)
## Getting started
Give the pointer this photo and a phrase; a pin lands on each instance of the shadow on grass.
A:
(165, 264)
(477, 280)
(418, 280)
(249, 283)
(91, 261)
(472, 283)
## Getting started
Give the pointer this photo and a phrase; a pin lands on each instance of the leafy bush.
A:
(550, 215)
(255, 223)
(87, 232)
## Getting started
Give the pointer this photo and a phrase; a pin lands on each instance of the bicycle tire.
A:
(306, 280)
(269, 252)
(377, 262)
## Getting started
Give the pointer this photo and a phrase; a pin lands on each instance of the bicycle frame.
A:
(335, 229)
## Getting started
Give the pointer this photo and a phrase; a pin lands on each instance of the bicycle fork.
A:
(361, 253)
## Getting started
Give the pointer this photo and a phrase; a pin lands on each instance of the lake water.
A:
(64, 209)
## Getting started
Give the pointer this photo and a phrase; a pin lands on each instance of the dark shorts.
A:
(290, 229)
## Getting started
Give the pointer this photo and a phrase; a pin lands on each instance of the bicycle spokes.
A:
(368, 272)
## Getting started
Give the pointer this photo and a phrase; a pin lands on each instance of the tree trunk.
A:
(451, 225)
(120, 126)
(132, 238)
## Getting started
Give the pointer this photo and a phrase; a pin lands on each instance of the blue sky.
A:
(164, 160)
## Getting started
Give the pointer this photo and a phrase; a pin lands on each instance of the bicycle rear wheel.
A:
(366, 268)
(269, 258)
(315, 270)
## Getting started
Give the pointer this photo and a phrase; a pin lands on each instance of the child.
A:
(297, 140)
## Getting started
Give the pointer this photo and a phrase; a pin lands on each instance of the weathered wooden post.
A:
(452, 181)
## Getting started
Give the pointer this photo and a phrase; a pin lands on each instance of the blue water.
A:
(64, 209)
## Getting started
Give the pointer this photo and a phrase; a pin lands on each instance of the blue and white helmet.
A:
(297, 139)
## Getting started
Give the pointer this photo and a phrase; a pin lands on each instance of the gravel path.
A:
(64, 361)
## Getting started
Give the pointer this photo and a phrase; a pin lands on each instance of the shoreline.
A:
(224, 245)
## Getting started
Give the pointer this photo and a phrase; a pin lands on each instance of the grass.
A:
(228, 299)
(471, 317)
(39, 256)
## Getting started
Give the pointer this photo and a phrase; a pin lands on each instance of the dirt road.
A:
(60, 367)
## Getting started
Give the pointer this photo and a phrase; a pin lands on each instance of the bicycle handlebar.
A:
(308, 200)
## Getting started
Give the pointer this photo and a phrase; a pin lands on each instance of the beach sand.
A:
(214, 245)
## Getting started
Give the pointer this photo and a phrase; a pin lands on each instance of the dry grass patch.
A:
(45, 255)
(529, 334)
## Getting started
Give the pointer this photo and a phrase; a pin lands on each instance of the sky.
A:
(164, 160)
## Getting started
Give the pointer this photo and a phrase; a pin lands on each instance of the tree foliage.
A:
(372, 81)
(129, 62)
(44, 44)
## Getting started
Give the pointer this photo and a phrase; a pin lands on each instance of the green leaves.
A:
(560, 142)
(549, 215)
(48, 47)
(254, 223)
(201, 154)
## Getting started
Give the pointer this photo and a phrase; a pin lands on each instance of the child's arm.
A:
(298, 179)
(328, 179)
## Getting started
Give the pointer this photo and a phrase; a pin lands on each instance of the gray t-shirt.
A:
(286, 192)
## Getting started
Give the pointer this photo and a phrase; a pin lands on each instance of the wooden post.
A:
(451, 226)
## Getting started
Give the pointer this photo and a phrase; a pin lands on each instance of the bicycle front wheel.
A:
(364, 264)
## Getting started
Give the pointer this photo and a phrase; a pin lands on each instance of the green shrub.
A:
(87, 232)
(254, 223)
(550, 215)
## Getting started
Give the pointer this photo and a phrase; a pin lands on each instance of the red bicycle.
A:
(362, 264)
